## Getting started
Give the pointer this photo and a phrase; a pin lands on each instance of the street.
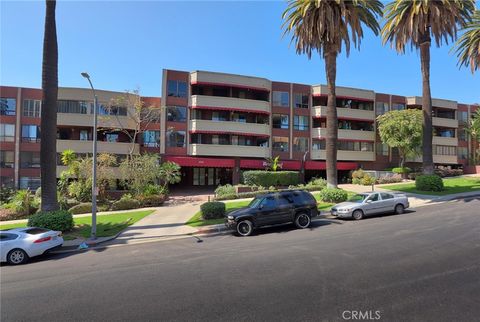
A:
(423, 265)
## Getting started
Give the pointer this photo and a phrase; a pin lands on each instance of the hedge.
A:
(429, 182)
(125, 204)
(152, 201)
(333, 195)
(213, 210)
(271, 178)
(60, 220)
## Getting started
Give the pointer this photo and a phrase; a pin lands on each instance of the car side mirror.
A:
(368, 201)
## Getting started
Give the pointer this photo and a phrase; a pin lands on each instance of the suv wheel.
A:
(399, 209)
(357, 214)
(245, 228)
(302, 220)
(17, 256)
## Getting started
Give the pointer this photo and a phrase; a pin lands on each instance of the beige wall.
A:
(345, 134)
(230, 79)
(438, 121)
(237, 127)
(102, 147)
(437, 102)
(446, 159)
(228, 150)
(229, 102)
(345, 91)
(321, 111)
(438, 140)
(106, 121)
(345, 155)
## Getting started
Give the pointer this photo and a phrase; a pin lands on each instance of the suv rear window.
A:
(35, 231)
(302, 197)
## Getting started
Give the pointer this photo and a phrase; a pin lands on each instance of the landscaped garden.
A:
(450, 186)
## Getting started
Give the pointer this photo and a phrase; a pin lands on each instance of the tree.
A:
(48, 122)
(325, 26)
(468, 45)
(473, 130)
(140, 170)
(415, 22)
(273, 163)
(402, 130)
(169, 174)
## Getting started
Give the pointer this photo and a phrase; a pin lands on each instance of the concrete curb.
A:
(91, 244)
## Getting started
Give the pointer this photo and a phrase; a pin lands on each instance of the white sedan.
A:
(19, 244)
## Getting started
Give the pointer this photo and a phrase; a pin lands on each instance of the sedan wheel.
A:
(399, 209)
(302, 221)
(245, 228)
(17, 256)
(357, 214)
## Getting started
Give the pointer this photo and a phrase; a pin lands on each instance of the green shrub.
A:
(66, 204)
(227, 189)
(429, 182)
(448, 172)
(23, 203)
(414, 175)
(152, 201)
(213, 210)
(333, 195)
(356, 181)
(55, 220)
(6, 194)
(10, 214)
(81, 208)
(317, 182)
(270, 178)
(153, 190)
(125, 204)
(400, 170)
(81, 191)
(358, 174)
(367, 180)
(389, 179)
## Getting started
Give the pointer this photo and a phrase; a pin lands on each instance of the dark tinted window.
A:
(373, 197)
(283, 200)
(302, 198)
(7, 236)
(386, 196)
(268, 202)
(35, 231)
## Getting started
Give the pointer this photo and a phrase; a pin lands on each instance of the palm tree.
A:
(325, 26)
(473, 129)
(48, 125)
(415, 22)
(468, 45)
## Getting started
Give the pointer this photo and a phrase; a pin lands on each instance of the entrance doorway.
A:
(211, 176)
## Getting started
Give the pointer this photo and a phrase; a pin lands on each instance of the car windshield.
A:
(358, 198)
(254, 203)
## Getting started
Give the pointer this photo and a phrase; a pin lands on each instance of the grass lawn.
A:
(107, 225)
(197, 221)
(455, 185)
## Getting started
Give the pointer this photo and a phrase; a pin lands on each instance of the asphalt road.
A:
(419, 266)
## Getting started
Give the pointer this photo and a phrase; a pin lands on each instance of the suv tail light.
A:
(44, 239)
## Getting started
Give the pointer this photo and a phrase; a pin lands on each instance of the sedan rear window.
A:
(35, 231)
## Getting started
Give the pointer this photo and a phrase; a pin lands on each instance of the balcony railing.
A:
(345, 155)
(228, 150)
(230, 127)
(229, 103)
(345, 113)
(345, 134)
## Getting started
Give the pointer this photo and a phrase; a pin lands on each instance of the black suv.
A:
(283, 207)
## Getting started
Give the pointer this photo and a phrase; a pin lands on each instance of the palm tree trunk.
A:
(48, 125)
(332, 121)
(426, 106)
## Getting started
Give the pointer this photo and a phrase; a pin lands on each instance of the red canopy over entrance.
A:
(260, 164)
(201, 162)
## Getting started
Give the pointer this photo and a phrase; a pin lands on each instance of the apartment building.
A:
(216, 125)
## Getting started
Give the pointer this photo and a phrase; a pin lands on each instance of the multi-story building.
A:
(217, 125)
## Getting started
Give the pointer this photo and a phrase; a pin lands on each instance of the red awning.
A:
(238, 109)
(261, 164)
(322, 165)
(201, 162)
(229, 132)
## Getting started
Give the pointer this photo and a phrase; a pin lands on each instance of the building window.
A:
(31, 108)
(219, 116)
(176, 113)
(7, 182)
(462, 153)
(111, 110)
(30, 133)
(300, 100)
(280, 143)
(444, 132)
(177, 88)
(382, 149)
(31, 183)
(176, 139)
(29, 160)
(7, 159)
(300, 123)
(151, 138)
(462, 134)
(280, 121)
(462, 116)
(72, 107)
(281, 99)
(84, 135)
(111, 137)
(444, 150)
(318, 145)
(398, 106)
(7, 132)
(381, 108)
(237, 117)
(346, 145)
(8, 106)
(300, 144)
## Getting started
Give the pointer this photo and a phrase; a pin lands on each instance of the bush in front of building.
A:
(335, 195)
(60, 220)
(401, 170)
(449, 172)
(23, 202)
(86, 207)
(213, 210)
(367, 180)
(271, 178)
(227, 189)
(389, 179)
(429, 182)
(357, 176)
(126, 202)
(151, 201)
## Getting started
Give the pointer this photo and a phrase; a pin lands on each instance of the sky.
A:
(124, 45)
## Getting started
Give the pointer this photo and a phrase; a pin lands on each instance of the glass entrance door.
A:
(211, 176)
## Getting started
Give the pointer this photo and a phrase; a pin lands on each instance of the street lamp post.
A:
(94, 161)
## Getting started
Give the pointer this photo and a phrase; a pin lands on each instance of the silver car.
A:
(365, 204)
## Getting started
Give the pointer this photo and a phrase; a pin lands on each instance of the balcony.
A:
(439, 140)
(354, 93)
(436, 102)
(228, 150)
(230, 127)
(230, 103)
(230, 80)
(346, 113)
(444, 122)
(102, 147)
(442, 159)
(345, 134)
(86, 120)
(345, 155)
